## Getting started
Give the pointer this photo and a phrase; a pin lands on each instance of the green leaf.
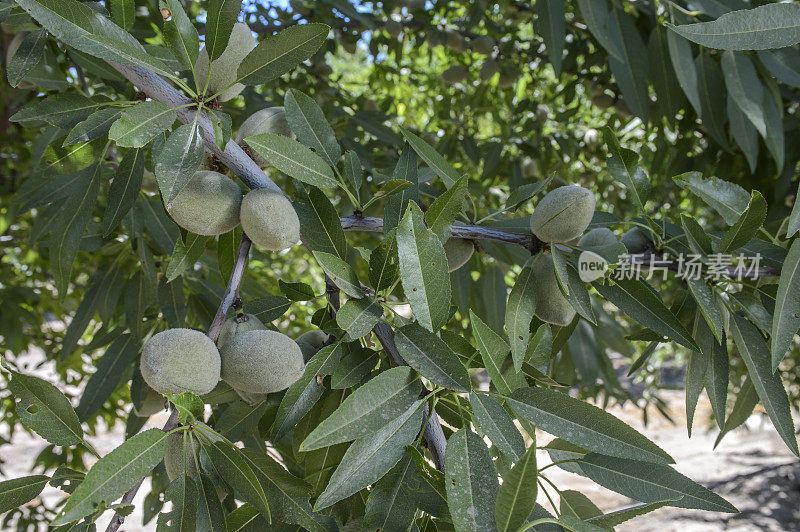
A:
(521, 195)
(220, 18)
(431, 357)
(383, 263)
(786, 318)
(648, 482)
(245, 519)
(713, 103)
(717, 369)
(359, 316)
(695, 235)
(183, 494)
(267, 308)
(773, 114)
(438, 163)
(179, 160)
(75, 24)
(494, 352)
(670, 98)
(110, 369)
(124, 189)
(753, 350)
(519, 313)
(26, 57)
(354, 367)
(296, 291)
(746, 401)
(582, 423)
(495, 423)
(516, 497)
(306, 391)
(370, 457)
(551, 26)
(366, 410)
(707, 301)
(320, 224)
(129, 54)
(288, 495)
(61, 110)
(392, 500)
(471, 482)
(746, 226)
(340, 273)
(210, 515)
(615, 518)
(172, 301)
(595, 14)
(744, 133)
(234, 468)
(72, 218)
(576, 504)
(405, 171)
(308, 123)
(638, 301)
(728, 199)
(353, 171)
(278, 54)
(95, 126)
(20, 491)
(293, 159)
(762, 28)
(423, 270)
(445, 209)
(187, 252)
(180, 35)
(622, 165)
(744, 87)
(630, 70)
(123, 12)
(227, 246)
(114, 474)
(783, 64)
(140, 124)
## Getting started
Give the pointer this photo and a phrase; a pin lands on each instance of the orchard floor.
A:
(751, 468)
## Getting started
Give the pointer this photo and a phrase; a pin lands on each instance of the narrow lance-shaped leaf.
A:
(370, 457)
(183, 494)
(753, 350)
(124, 189)
(746, 226)
(181, 35)
(95, 126)
(762, 28)
(220, 18)
(277, 55)
(17, 492)
(359, 316)
(786, 318)
(423, 270)
(519, 313)
(634, 298)
(179, 160)
(584, 424)
(293, 159)
(110, 370)
(471, 482)
(495, 423)
(494, 352)
(744, 87)
(428, 154)
(551, 24)
(139, 124)
(26, 57)
(45, 410)
(431, 357)
(445, 209)
(340, 273)
(516, 497)
(114, 474)
(234, 468)
(365, 411)
(308, 123)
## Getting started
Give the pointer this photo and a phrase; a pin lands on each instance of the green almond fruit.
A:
(261, 362)
(208, 205)
(269, 220)
(180, 360)
(563, 214)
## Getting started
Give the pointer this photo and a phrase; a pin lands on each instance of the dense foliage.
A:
(443, 281)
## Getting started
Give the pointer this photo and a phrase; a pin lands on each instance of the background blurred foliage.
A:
(523, 124)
